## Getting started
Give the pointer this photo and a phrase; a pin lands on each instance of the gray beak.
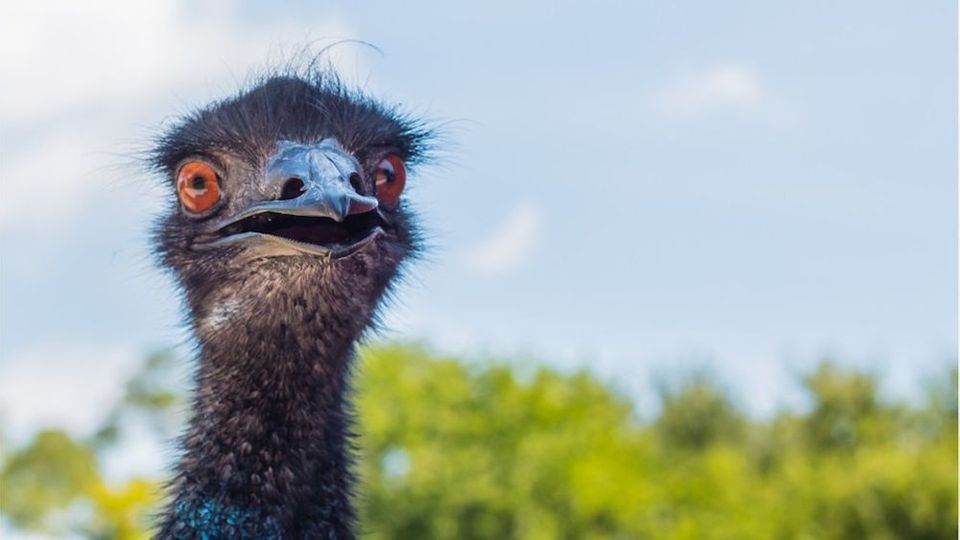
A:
(322, 172)
(312, 205)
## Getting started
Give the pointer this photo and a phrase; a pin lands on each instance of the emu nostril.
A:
(292, 189)
(356, 182)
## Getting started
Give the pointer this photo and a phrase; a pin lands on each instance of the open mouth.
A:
(312, 234)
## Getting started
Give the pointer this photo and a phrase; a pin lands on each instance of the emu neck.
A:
(266, 454)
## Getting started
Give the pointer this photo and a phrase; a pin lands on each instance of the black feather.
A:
(268, 448)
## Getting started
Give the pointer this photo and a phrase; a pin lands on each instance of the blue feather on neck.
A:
(211, 520)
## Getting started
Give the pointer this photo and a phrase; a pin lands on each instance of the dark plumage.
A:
(281, 276)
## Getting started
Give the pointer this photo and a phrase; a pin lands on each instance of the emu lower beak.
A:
(314, 207)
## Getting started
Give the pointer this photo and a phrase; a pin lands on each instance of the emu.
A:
(287, 228)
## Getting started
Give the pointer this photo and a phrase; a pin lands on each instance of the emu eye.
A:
(198, 186)
(390, 177)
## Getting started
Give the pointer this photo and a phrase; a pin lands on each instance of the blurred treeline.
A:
(453, 449)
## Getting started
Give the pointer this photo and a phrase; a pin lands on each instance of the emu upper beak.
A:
(314, 207)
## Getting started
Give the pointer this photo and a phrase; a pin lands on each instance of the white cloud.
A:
(510, 244)
(85, 81)
(60, 54)
(717, 87)
(69, 387)
(52, 176)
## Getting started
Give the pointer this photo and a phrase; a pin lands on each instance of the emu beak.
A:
(324, 171)
(313, 208)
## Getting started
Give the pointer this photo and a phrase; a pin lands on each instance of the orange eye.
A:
(390, 177)
(198, 186)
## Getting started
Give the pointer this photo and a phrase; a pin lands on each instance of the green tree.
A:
(47, 475)
(697, 414)
(456, 449)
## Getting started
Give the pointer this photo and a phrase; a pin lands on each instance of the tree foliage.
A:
(453, 449)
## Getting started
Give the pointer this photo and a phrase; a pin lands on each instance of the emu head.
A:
(288, 200)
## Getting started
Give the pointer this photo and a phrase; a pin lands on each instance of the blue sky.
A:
(642, 188)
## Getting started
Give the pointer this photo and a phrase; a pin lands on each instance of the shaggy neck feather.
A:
(267, 452)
